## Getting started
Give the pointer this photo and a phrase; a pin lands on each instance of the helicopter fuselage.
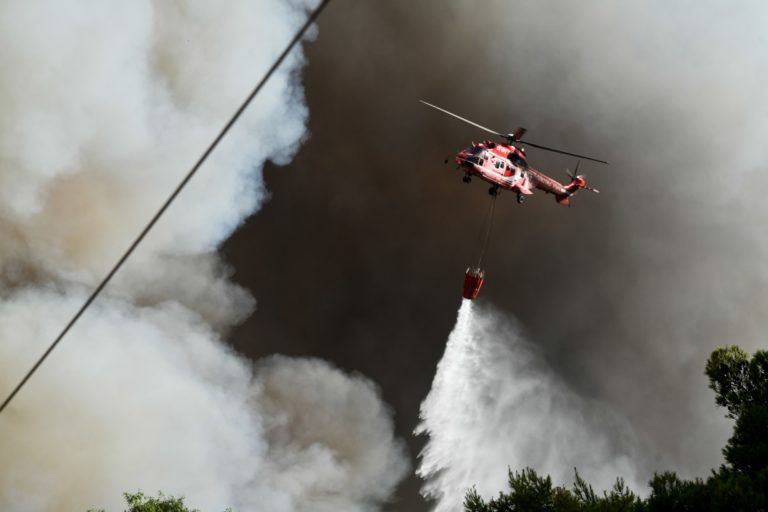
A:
(505, 166)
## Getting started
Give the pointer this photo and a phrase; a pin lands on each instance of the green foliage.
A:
(737, 380)
(565, 501)
(741, 386)
(723, 490)
(530, 492)
(619, 499)
(583, 491)
(736, 492)
(473, 502)
(138, 502)
(747, 450)
(670, 494)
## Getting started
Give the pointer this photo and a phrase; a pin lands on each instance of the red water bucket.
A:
(473, 280)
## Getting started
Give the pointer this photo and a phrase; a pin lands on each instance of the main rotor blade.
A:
(545, 148)
(511, 137)
(465, 120)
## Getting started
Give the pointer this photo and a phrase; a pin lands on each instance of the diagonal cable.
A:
(299, 35)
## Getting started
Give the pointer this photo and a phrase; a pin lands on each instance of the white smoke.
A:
(104, 107)
(493, 406)
(347, 458)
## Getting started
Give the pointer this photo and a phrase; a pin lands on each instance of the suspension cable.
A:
(299, 35)
(489, 226)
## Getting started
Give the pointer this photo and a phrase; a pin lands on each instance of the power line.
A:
(312, 17)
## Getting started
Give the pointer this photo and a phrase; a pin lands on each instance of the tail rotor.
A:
(575, 174)
(579, 181)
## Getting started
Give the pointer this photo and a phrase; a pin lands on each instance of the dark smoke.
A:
(359, 256)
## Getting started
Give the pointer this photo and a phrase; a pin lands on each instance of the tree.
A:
(741, 386)
(138, 502)
(529, 492)
(670, 494)
(738, 381)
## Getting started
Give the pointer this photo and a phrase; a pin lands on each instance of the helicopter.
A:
(505, 165)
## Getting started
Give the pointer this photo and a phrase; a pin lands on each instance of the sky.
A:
(297, 315)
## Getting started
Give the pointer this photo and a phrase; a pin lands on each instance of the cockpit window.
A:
(474, 155)
(517, 160)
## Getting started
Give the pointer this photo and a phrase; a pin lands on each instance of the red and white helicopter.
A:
(505, 165)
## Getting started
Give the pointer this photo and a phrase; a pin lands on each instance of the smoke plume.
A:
(493, 406)
(105, 106)
(625, 293)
